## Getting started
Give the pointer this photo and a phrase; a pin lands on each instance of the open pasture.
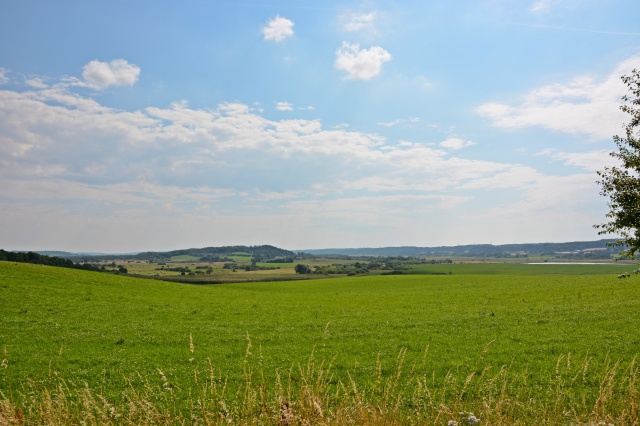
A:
(521, 268)
(184, 258)
(531, 335)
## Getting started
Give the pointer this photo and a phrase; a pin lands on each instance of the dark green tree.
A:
(302, 269)
(621, 183)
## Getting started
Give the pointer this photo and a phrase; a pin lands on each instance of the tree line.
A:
(61, 262)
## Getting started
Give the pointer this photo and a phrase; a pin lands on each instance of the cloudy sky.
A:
(158, 125)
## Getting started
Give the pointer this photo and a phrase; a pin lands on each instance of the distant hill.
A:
(206, 254)
(591, 249)
(67, 254)
(578, 249)
(264, 252)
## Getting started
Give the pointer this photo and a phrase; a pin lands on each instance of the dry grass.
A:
(311, 395)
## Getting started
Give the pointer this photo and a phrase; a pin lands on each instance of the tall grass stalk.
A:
(570, 392)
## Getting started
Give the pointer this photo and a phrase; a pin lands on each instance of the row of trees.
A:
(40, 259)
(355, 268)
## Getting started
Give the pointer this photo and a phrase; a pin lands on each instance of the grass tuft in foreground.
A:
(310, 395)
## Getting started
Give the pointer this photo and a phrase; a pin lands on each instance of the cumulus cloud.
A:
(278, 29)
(226, 165)
(360, 64)
(3, 76)
(583, 105)
(455, 143)
(37, 83)
(100, 75)
(353, 22)
(80, 140)
(284, 106)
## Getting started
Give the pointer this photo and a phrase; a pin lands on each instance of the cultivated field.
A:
(543, 344)
(189, 269)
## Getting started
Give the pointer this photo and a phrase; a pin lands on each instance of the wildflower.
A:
(452, 423)
(472, 419)
(466, 418)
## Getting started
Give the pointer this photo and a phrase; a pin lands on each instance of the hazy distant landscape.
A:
(211, 265)
(575, 249)
(332, 213)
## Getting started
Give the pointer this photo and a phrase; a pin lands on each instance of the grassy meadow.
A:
(514, 344)
(483, 268)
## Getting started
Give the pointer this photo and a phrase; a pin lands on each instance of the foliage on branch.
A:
(621, 183)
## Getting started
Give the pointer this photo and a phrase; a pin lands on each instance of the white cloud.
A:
(37, 83)
(75, 158)
(79, 140)
(583, 105)
(360, 64)
(425, 84)
(100, 75)
(456, 143)
(400, 121)
(353, 22)
(591, 161)
(284, 106)
(548, 208)
(3, 76)
(386, 204)
(509, 177)
(273, 195)
(278, 29)
(540, 6)
(138, 194)
(551, 194)
(546, 6)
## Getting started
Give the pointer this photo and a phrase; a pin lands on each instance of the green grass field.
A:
(548, 329)
(185, 258)
(481, 268)
(285, 271)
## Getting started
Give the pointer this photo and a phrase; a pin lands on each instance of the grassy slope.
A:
(102, 328)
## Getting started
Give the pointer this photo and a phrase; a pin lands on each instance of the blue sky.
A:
(157, 125)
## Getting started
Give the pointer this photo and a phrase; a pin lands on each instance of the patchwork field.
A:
(189, 269)
(508, 342)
